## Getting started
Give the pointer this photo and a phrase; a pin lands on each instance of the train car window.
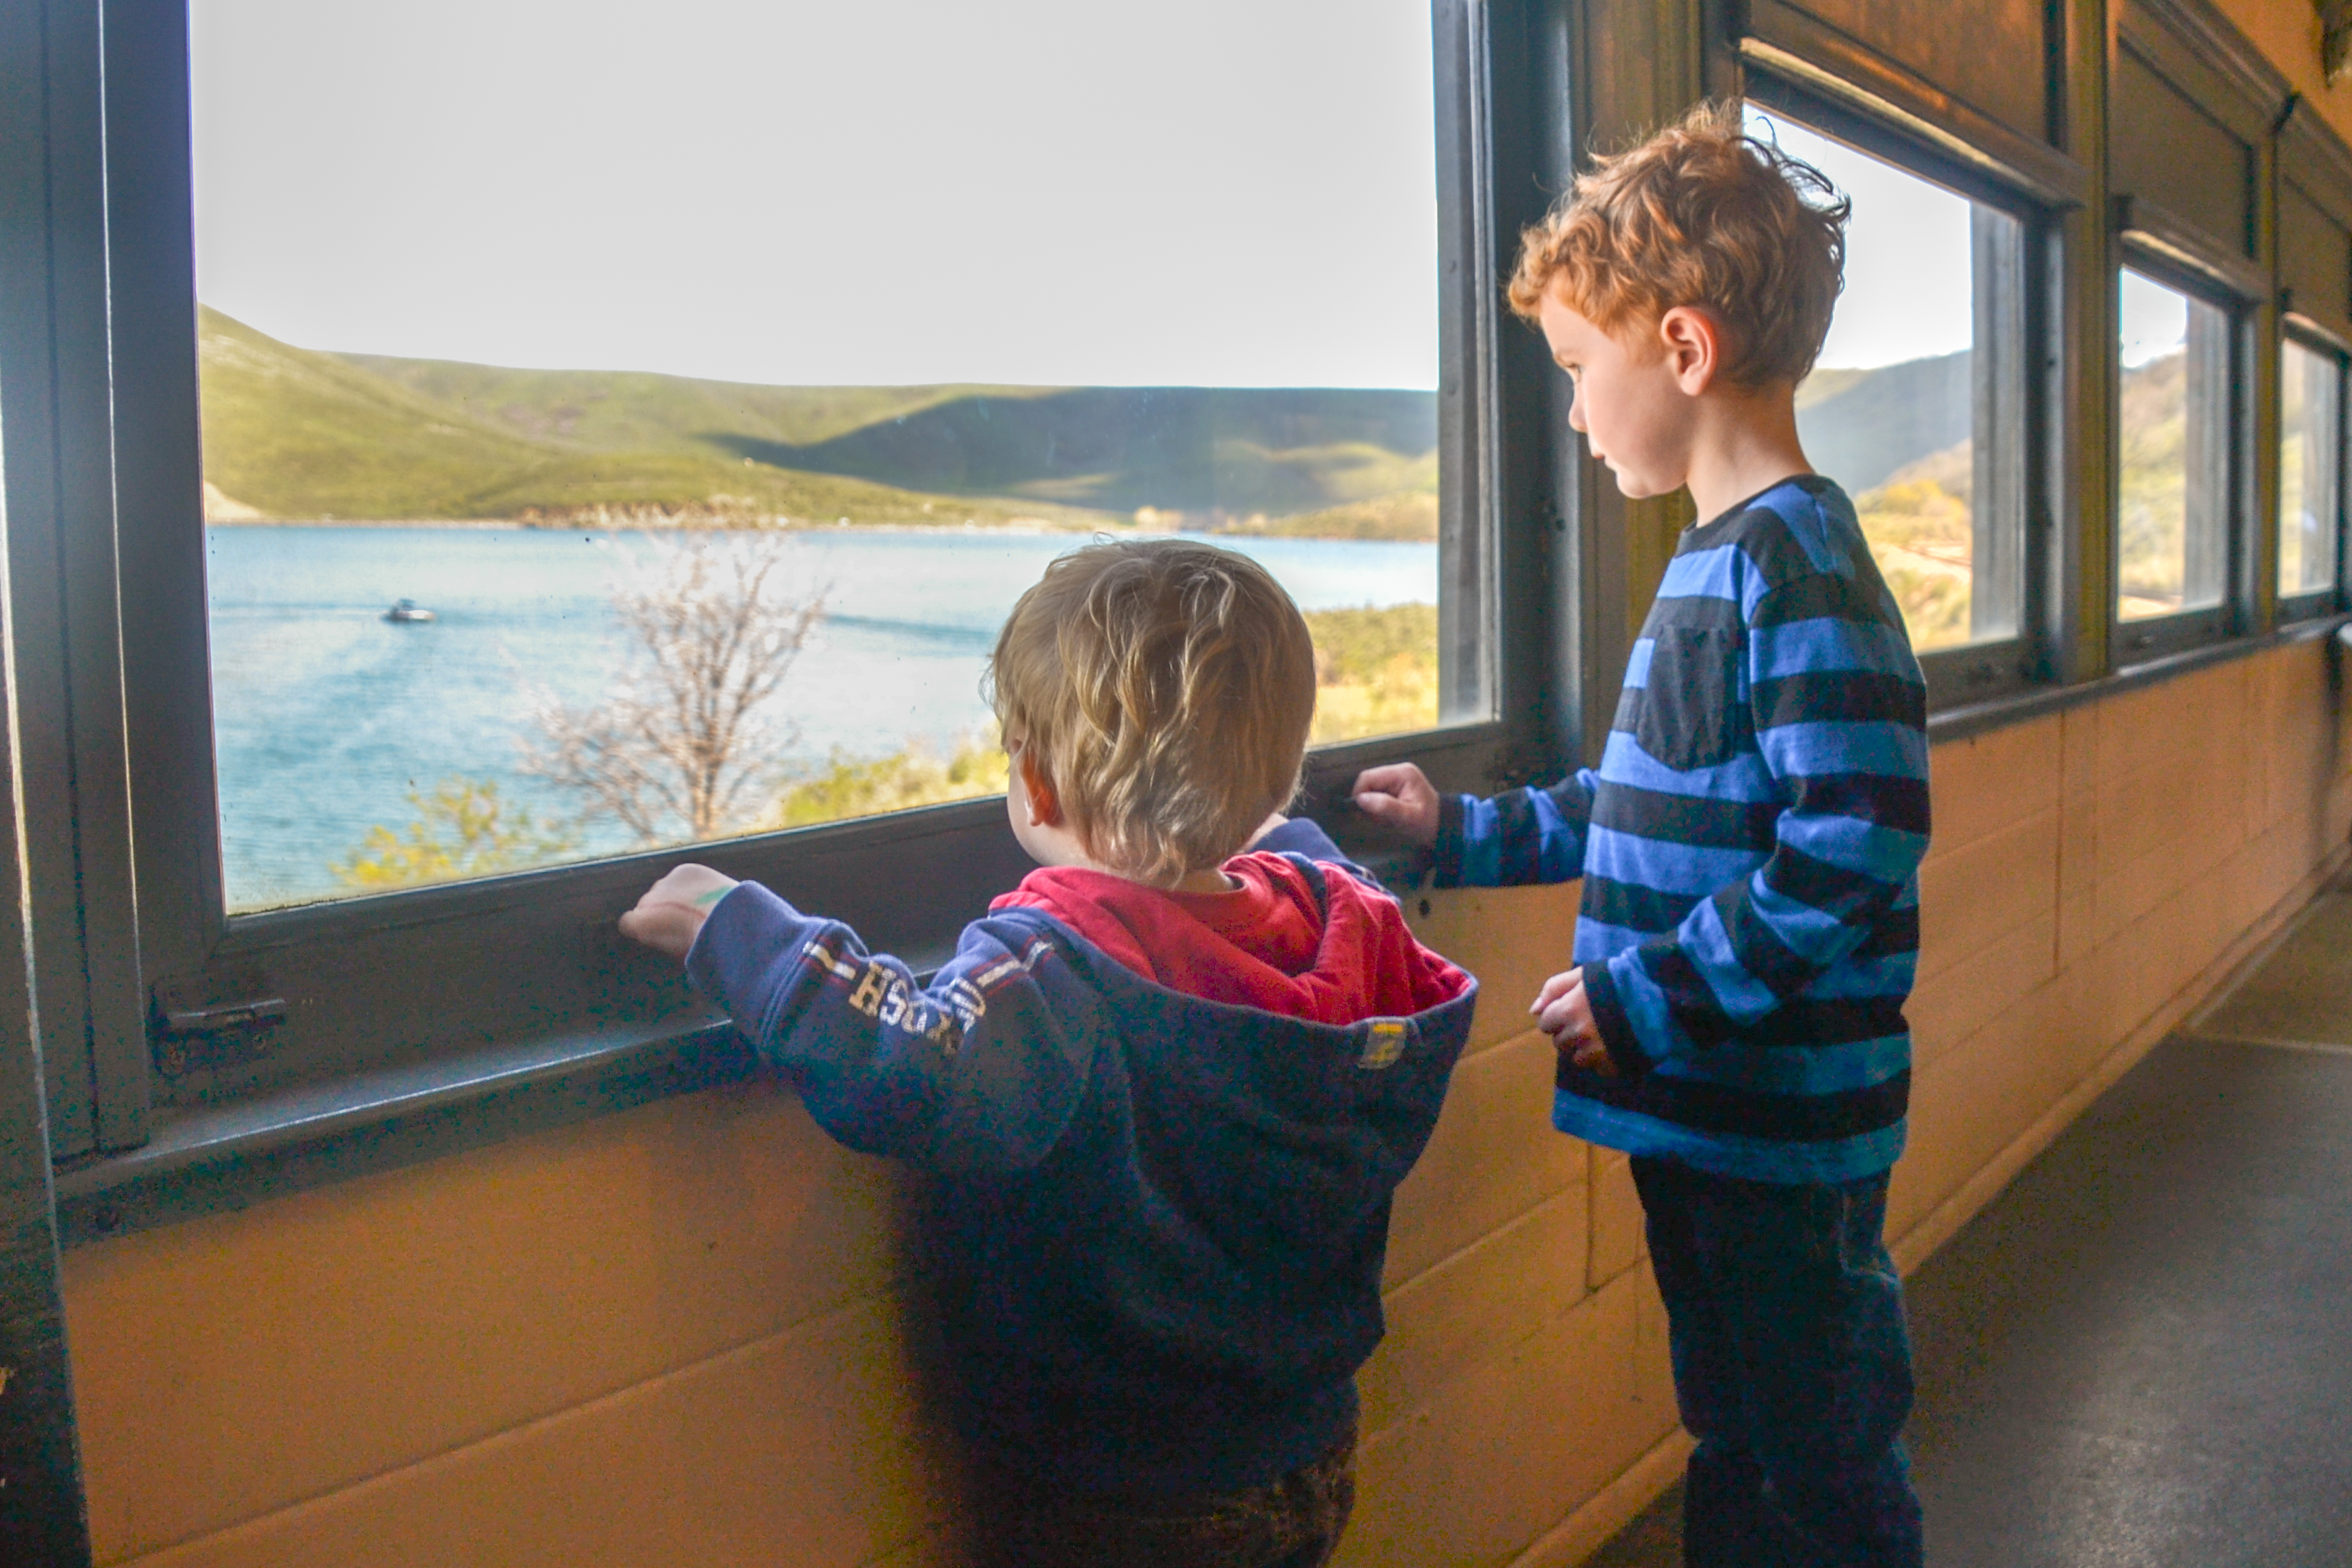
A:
(2173, 528)
(1917, 405)
(623, 431)
(2311, 475)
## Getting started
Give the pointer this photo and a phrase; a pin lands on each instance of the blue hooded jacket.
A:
(1159, 1221)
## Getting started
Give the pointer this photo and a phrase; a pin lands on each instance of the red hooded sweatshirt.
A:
(1264, 944)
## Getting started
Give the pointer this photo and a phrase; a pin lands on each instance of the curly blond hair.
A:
(1703, 214)
(1164, 687)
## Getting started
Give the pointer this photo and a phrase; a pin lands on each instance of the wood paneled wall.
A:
(683, 1336)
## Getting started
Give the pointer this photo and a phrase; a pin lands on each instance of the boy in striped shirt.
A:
(1749, 847)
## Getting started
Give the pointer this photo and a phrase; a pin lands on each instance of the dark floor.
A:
(2138, 1354)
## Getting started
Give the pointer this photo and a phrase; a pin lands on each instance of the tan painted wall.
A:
(676, 1336)
(2287, 32)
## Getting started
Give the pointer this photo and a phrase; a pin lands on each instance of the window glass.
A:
(2173, 435)
(2310, 460)
(625, 428)
(1917, 405)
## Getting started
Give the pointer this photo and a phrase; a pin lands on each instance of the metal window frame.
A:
(395, 982)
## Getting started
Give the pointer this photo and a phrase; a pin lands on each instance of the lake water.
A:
(328, 715)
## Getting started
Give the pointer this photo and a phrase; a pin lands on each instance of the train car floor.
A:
(2141, 1354)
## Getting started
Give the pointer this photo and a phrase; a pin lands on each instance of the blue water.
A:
(328, 715)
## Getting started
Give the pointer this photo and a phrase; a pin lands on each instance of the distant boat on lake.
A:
(407, 610)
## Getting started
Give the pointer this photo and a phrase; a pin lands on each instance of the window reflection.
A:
(2173, 433)
(1917, 406)
(2310, 468)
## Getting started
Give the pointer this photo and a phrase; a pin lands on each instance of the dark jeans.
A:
(1292, 1523)
(1792, 1368)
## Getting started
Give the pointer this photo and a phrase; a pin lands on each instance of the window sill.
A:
(219, 1158)
(1979, 718)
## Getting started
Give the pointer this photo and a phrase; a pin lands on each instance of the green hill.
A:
(1221, 453)
(295, 433)
(1213, 454)
(638, 411)
(1861, 426)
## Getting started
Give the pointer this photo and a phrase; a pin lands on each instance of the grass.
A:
(1375, 670)
(849, 787)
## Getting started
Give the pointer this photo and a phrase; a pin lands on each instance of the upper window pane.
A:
(2172, 534)
(629, 427)
(1917, 403)
(2311, 468)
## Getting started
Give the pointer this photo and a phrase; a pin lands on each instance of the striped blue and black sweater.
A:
(1749, 847)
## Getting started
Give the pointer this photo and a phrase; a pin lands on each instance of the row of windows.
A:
(401, 705)
(1909, 411)
(455, 462)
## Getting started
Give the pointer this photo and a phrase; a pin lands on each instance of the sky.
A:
(1049, 192)
(2154, 319)
(1907, 286)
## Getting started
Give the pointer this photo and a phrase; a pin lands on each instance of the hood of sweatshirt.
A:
(1337, 954)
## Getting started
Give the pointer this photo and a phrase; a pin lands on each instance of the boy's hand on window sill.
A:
(1564, 1012)
(1399, 796)
(670, 914)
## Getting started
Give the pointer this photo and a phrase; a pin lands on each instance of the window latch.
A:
(240, 1001)
(214, 1023)
(254, 1012)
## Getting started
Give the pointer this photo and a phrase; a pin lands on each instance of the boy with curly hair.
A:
(1748, 845)
(1169, 1085)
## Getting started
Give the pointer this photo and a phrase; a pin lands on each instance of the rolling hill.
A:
(293, 433)
(1219, 451)
(297, 434)
(1861, 426)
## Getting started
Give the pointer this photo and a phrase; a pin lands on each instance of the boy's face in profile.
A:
(1633, 400)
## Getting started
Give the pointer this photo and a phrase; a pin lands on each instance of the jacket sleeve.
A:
(1521, 836)
(981, 1069)
(1839, 711)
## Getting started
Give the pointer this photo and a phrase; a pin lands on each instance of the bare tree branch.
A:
(689, 728)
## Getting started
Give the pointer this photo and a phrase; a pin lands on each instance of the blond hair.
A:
(1701, 215)
(1164, 688)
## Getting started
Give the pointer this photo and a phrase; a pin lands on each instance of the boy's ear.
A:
(1693, 344)
(1045, 808)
